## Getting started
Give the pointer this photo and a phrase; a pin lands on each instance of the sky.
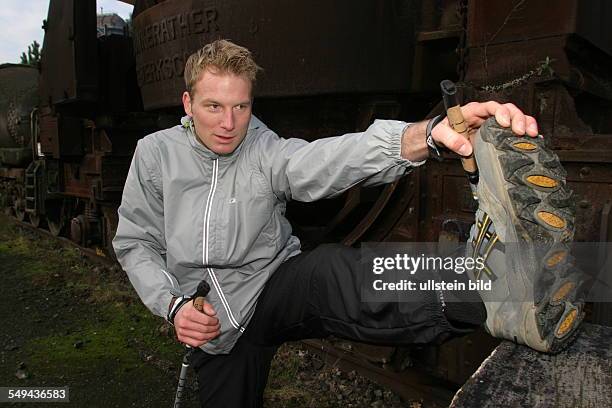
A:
(20, 25)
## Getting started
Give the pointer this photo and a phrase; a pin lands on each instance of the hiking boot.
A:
(524, 224)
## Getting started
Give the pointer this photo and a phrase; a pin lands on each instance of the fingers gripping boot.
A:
(523, 224)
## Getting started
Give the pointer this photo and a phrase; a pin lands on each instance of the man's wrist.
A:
(414, 147)
(175, 306)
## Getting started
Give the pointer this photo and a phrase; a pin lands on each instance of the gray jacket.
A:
(189, 214)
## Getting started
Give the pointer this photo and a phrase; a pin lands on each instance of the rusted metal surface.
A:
(355, 46)
(69, 62)
(18, 96)
(48, 138)
(572, 43)
(400, 219)
(118, 91)
(524, 20)
(448, 197)
(518, 20)
(548, 58)
(62, 136)
(592, 189)
(14, 173)
(602, 312)
(576, 130)
(498, 64)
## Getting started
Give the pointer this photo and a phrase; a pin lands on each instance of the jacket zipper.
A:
(205, 233)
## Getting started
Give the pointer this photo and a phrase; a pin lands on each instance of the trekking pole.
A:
(198, 303)
(457, 122)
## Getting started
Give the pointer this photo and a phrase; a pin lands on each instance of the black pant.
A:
(313, 295)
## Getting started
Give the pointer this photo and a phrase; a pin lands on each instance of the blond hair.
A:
(220, 56)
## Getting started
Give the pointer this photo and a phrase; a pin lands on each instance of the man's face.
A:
(221, 110)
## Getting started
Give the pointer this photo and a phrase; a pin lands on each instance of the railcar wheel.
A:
(19, 209)
(56, 218)
(55, 228)
(110, 229)
(34, 220)
(8, 198)
(5, 203)
(79, 230)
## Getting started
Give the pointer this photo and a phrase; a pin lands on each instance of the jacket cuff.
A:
(163, 305)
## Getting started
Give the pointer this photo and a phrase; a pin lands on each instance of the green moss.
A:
(107, 333)
(39, 258)
(14, 246)
(102, 326)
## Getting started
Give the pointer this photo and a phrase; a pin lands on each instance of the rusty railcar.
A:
(329, 68)
(18, 101)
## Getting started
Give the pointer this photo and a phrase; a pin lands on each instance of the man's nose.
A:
(228, 120)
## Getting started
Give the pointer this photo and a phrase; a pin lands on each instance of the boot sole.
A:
(542, 214)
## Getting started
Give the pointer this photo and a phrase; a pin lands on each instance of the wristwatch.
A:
(175, 305)
(435, 150)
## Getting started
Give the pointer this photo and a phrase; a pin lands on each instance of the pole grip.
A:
(200, 296)
(198, 303)
(458, 124)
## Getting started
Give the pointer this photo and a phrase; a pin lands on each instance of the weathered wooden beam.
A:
(517, 376)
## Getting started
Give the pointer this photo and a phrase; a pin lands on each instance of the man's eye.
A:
(240, 107)
(213, 107)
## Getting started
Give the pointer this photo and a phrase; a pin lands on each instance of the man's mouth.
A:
(224, 139)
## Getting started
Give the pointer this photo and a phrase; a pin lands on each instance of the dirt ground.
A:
(66, 322)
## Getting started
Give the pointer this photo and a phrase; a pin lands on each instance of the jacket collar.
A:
(196, 144)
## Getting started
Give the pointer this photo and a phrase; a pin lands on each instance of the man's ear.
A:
(187, 103)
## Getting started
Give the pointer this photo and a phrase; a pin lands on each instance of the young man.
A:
(206, 200)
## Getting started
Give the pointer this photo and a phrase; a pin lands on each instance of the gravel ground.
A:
(68, 322)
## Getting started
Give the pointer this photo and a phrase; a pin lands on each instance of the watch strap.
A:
(435, 150)
(175, 307)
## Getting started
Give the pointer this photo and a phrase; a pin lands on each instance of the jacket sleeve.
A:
(298, 170)
(140, 243)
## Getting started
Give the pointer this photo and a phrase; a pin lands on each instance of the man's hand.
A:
(414, 147)
(195, 328)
